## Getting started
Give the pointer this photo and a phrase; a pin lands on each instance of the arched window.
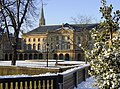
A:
(57, 45)
(34, 47)
(29, 46)
(34, 40)
(35, 56)
(30, 56)
(61, 56)
(29, 39)
(62, 46)
(38, 46)
(55, 56)
(68, 45)
(67, 57)
(43, 47)
(38, 39)
(40, 56)
(25, 57)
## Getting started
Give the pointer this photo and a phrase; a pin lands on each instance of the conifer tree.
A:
(104, 58)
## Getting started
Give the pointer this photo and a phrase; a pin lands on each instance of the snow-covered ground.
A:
(27, 63)
(37, 64)
(88, 84)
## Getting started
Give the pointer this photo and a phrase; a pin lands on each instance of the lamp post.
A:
(47, 53)
(56, 54)
(84, 51)
(0, 6)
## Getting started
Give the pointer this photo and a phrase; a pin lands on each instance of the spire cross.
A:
(43, 3)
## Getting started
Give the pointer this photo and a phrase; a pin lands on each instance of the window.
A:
(68, 45)
(43, 39)
(51, 46)
(68, 37)
(38, 46)
(25, 47)
(57, 45)
(63, 38)
(34, 40)
(38, 39)
(51, 39)
(34, 47)
(43, 47)
(57, 37)
(29, 46)
(29, 39)
(63, 46)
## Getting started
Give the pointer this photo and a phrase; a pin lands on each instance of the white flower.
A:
(109, 50)
(111, 70)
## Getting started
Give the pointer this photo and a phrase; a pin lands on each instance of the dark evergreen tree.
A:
(105, 55)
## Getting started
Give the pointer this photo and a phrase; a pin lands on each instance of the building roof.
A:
(50, 28)
(42, 18)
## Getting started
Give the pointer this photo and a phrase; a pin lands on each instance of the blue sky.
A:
(61, 11)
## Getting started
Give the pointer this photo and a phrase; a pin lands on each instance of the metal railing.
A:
(65, 80)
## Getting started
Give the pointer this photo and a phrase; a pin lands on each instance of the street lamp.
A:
(0, 6)
(56, 53)
(47, 46)
(79, 45)
(84, 51)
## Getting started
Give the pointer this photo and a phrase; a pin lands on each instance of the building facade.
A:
(6, 47)
(60, 42)
(57, 41)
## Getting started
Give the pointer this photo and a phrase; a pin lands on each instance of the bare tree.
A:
(82, 19)
(84, 33)
(13, 13)
(85, 37)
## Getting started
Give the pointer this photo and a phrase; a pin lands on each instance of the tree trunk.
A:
(14, 46)
(14, 54)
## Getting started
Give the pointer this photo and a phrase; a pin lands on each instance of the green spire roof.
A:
(42, 19)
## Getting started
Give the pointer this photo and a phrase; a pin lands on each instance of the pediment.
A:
(63, 30)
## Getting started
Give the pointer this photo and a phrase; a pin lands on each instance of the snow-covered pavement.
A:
(88, 84)
(38, 63)
(26, 63)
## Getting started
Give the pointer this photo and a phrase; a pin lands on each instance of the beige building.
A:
(58, 41)
(51, 42)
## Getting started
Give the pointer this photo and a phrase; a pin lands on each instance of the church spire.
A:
(42, 19)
